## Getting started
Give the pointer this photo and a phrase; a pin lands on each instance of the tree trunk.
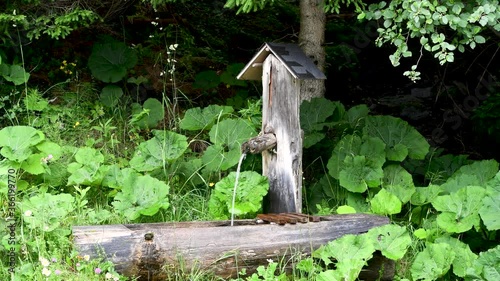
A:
(311, 40)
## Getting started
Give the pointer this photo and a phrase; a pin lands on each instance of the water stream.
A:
(243, 155)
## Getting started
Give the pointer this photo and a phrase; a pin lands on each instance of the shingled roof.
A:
(294, 59)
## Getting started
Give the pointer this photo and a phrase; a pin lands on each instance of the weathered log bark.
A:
(149, 251)
(280, 116)
(259, 144)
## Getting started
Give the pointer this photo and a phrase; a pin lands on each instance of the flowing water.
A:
(243, 155)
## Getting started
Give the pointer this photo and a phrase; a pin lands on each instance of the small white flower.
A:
(28, 213)
(173, 47)
(108, 276)
(44, 262)
(154, 23)
(151, 36)
(157, 18)
(161, 28)
(86, 257)
(46, 272)
(14, 25)
(270, 261)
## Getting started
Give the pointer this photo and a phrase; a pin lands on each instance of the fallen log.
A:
(148, 251)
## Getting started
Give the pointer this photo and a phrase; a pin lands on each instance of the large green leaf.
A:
(227, 137)
(149, 114)
(357, 163)
(490, 208)
(433, 262)
(88, 168)
(14, 73)
(109, 62)
(425, 195)
(487, 266)
(371, 148)
(385, 203)
(47, 211)
(203, 119)
(251, 189)
(165, 147)
(460, 210)
(399, 182)
(464, 257)
(401, 139)
(313, 115)
(392, 240)
(357, 175)
(110, 95)
(16, 142)
(351, 252)
(485, 170)
(141, 195)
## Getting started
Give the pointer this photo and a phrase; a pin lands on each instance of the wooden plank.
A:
(149, 249)
(280, 116)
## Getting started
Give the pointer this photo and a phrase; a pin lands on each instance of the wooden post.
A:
(280, 116)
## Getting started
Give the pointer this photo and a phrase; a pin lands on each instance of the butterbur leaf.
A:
(251, 189)
(109, 62)
(16, 142)
(33, 164)
(392, 240)
(464, 257)
(385, 203)
(399, 182)
(149, 114)
(14, 73)
(356, 115)
(313, 115)
(433, 262)
(401, 139)
(459, 181)
(357, 175)
(491, 208)
(424, 195)
(47, 211)
(363, 157)
(196, 119)
(351, 252)
(227, 137)
(165, 147)
(141, 195)
(459, 209)
(487, 266)
(485, 170)
(110, 95)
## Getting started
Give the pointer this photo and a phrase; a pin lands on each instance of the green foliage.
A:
(110, 95)
(433, 262)
(196, 119)
(164, 148)
(429, 22)
(14, 73)
(141, 195)
(391, 240)
(88, 168)
(46, 212)
(250, 192)
(401, 139)
(109, 62)
(17, 142)
(350, 253)
(148, 115)
(313, 118)
(226, 137)
(37, 20)
(487, 266)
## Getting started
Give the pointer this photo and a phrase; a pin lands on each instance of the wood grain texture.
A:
(211, 245)
(280, 116)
